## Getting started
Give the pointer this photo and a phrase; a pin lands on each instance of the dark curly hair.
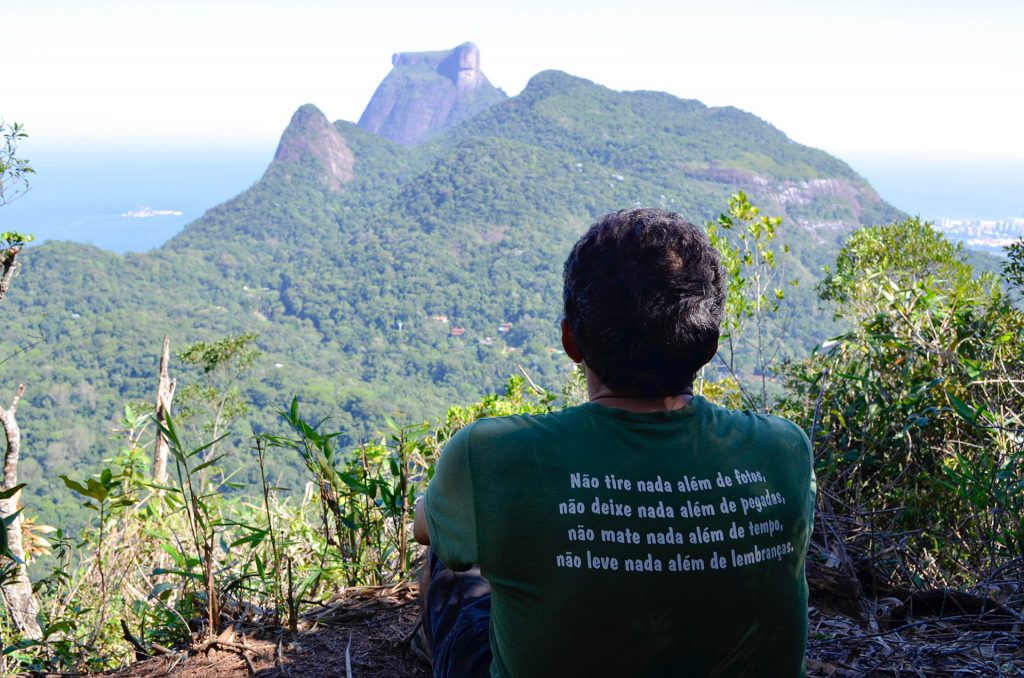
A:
(644, 297)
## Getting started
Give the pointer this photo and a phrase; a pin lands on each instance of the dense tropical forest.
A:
(355, 278)
(332, 326)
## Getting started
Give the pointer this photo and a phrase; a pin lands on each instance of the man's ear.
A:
(569, 343)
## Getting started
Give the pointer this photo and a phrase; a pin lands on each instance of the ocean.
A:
(85, 194)
(955, 188)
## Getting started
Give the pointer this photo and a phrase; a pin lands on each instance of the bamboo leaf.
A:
(10, 492)
(208, 463)
(961, 407)
(255, 539)
(162, 588)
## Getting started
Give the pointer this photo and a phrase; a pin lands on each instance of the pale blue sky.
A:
(928, 79)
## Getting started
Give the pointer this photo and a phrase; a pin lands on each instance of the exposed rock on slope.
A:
(311, 138)
(426, 92)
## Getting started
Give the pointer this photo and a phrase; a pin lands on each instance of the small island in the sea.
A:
(145, 212)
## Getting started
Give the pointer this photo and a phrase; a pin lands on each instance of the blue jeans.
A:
(457, 621)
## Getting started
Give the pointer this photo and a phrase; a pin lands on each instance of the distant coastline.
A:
(990, 235)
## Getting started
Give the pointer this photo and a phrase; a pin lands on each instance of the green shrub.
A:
(919, 428)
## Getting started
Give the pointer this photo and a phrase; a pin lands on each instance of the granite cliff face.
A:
(311, 139)
(427, 92)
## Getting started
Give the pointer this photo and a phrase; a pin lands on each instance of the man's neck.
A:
(644, 404)
(602, 395)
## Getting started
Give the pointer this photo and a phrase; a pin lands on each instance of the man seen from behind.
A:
(647, 532)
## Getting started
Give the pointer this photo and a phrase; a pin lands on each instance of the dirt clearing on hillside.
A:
(369, 629)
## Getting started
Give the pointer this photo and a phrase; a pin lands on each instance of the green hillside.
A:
(344, 269)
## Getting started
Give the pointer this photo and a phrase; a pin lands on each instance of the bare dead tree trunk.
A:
(8, 267)
(17, 589)
(164, 396)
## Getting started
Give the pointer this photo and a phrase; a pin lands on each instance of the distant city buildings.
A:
(985, 234)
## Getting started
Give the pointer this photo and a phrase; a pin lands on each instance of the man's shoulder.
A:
(763, 427)
(772, 445)
(518, 424)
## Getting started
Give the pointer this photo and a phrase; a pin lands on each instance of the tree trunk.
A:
(17, 589)
(164, 396)
(8, 267)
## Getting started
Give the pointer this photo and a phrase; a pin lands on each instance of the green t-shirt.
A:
(618, 543)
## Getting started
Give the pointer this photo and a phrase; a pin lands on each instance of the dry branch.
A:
(164, 397)
(16, 587)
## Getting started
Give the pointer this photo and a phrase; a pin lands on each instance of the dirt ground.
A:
(367, 631)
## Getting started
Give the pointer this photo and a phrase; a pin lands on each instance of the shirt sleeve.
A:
(813, 491)
(813, 482)
(450, 507)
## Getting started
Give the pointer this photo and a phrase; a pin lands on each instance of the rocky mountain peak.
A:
(310, 135)
(426, 92)
(461, 65)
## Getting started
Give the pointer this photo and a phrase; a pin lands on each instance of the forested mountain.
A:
(392, 279)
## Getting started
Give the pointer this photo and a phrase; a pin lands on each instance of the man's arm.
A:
(445, 516)
(419, 524)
